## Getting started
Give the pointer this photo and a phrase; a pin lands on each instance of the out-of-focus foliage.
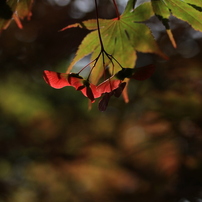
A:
(14, 10)
(53, 150)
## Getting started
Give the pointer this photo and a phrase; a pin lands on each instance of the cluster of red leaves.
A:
(112, 86)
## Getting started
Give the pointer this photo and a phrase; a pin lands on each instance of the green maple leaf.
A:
(197, 4)
(187, 10)
(121, 37)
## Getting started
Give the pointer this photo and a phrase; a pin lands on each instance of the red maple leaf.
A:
(60, 80)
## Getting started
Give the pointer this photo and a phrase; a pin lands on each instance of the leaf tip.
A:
(171, 37)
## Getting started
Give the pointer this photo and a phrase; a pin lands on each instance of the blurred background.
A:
(53, 149)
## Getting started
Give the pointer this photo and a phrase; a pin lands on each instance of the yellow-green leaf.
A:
(185, 12)
(121, 38)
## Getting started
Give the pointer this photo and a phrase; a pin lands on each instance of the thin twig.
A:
(116, 8)
(98, 26)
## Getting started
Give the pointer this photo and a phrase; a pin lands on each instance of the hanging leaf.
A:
(143, 73)
(121, 37)
(187, 10)
(162, 13)
(197, 4)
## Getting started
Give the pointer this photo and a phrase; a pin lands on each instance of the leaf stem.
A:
(95, 62)
(116, 8)
(102, 51)
(112, 57)
(87, 65)
(98, 27)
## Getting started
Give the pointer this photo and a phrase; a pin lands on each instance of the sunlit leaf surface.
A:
(121, 37)
(188, 11)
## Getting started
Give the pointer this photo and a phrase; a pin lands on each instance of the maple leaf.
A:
(121, 38)
(187, 10)
(143, 73)
(109, 85)
(197, 4)
(117, 91)
(60, 80)
(55, 79)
